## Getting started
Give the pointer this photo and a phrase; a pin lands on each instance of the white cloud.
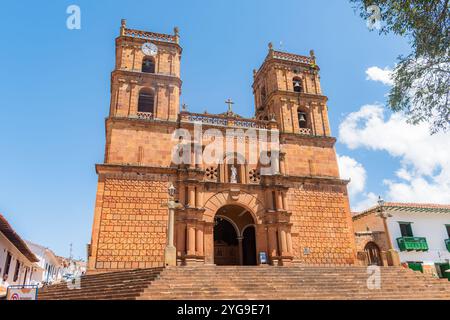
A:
(353, 170)
(382, 75)
(367, 201)
(424, 173)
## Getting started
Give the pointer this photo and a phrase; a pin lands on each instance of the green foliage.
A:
(421, 79)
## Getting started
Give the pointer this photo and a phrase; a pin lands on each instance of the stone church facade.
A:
(230, 212)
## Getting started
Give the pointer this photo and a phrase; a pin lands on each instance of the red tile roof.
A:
(417, 205)
(16, 240)
(407, 206)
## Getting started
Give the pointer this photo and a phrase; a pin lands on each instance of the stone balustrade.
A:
(305, 131)
(292, 57)
(223, 120)
(150, 35)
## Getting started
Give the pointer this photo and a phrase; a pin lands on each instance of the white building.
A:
(420, 233)
(17, 261)
(51, 266)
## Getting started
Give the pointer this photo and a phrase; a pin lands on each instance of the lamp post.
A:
(392, 255)
(384, 215)
(170, 253)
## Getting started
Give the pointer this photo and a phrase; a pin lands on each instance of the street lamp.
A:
(384, 215)
(380, 202)
(392, 254)
(170, 253)
(171, 190)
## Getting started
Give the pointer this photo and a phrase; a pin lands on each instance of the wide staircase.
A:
(240, 282)
(121, 285)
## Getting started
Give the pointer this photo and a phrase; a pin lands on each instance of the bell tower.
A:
(287, 87)
(146, 81)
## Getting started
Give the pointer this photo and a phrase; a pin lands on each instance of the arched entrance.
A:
(234, 236)
(373, 254)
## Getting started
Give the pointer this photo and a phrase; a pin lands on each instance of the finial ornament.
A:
(123, 25)
(176, 31)
(312, 54)
(270, 46)
(184, 107)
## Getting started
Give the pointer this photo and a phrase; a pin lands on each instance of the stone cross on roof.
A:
(230, 103)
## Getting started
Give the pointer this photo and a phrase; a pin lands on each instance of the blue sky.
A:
(55, 89)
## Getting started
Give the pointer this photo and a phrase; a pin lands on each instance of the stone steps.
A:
(121, 285)
(231, 283)
(253, 283)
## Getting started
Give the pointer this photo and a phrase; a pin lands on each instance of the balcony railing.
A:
(447, 244)
(305, 131)
(292, 57)
(223, 120)
(145, 115)
(412, 244)
(150, 35)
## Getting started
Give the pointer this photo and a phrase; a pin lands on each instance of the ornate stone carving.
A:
(254, 176)
(211, 173)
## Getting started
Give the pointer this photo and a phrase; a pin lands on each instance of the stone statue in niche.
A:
(233, 178)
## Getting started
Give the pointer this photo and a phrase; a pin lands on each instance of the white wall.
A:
(5, 247)
(428, 225)
(51, 268)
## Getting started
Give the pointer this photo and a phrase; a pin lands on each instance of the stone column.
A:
(208, 244)
(197, 155)
(191, 190)
(190, 240)
(283, 242)
(289, 243)
(275, 157)
(192, 162)
(272, 237)
(268, 197)
(198, 197)
(243, 173)
(241, 254)
(222, 173)
(279, 200)
(284, 200)
(199, 241)
(170, 252)
(182, 194)
(283, 163)
(181, 239)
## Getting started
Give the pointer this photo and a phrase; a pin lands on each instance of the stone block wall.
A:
(133, 223)
(322, 232)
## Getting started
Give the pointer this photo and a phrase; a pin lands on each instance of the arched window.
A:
(148, 65)
(302, 119)
(297, 83)
(146, 101)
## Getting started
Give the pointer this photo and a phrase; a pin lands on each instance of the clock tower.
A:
(146, 81)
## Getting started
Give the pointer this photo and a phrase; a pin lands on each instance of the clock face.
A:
(149, 49)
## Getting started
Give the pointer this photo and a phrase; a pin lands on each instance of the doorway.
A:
(234, 237)
(373, 254)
